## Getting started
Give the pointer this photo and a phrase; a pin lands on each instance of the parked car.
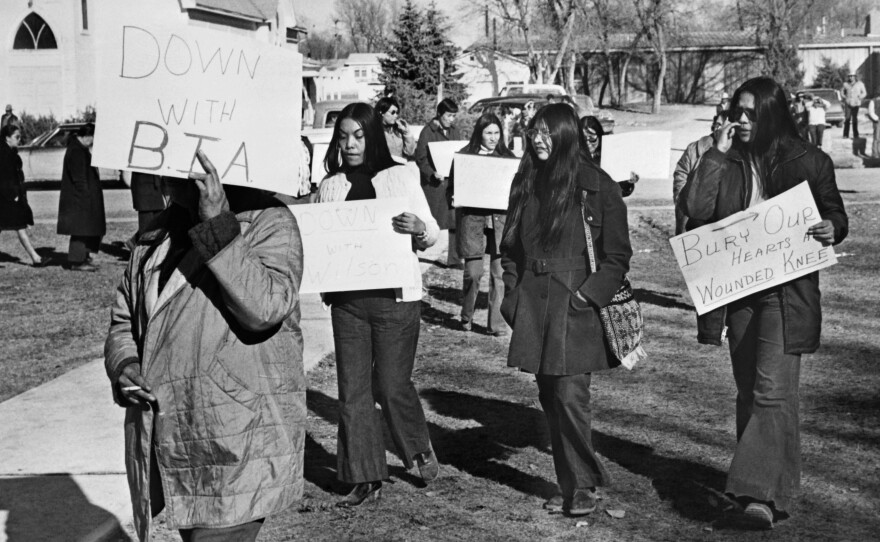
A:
(327, 111)
(518, 101)
(43, 158)
(834, 114)
(511, 89)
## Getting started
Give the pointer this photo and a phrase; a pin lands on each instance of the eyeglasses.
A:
(393, 112)
(737, 112)
(534, 132)
(591, 137)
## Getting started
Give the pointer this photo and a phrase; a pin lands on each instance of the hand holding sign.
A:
(822, 232)
(408, 223)
(212, 197)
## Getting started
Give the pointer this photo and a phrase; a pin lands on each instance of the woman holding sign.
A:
(552, 300)
(376, 331)
(480, 232)
(759, 154)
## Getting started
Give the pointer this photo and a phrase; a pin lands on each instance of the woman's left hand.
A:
(408, 223)
(822, 232)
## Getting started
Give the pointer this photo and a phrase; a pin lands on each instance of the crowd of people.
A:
(205, 348)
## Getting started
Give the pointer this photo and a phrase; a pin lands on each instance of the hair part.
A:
(486, 120)
(447, 105)
(553, 182)
(376, 154)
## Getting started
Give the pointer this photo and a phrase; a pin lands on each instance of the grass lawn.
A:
(665, 430)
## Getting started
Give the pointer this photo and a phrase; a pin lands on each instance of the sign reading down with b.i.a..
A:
(752, 250)
(167, 89)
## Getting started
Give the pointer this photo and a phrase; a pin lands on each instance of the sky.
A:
(318, 15)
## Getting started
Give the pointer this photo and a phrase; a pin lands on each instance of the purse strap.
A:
(591, 255)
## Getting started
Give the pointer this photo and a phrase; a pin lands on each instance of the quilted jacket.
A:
(221, 347)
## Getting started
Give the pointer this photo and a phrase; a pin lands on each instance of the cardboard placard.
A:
(483, 181)
(442, 153)
(647, 153)
(752, 250)
(167, 89)
(350, 245)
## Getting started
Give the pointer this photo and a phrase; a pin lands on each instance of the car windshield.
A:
(829, 95)
(57, 140)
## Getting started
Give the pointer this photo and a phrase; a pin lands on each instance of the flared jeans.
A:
(375, 338)
(766, 465)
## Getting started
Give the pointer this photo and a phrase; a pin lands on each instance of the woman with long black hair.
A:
(376, 331)
(553, 300)
(759, 154)
(480, 232)
(15, 213)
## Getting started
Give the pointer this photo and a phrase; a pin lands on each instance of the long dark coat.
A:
(81, 206)
(555, 333)
(435, 192)
(15, 213)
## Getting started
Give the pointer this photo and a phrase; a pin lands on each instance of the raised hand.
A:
(212, 197)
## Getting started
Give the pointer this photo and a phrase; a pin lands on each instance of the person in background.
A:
(593, 132)
(724, 104)
(81, 202)
(397, 134)
(480, 232)
(552, 299)
(874, 115)
(376, 332)
(9, 118)
(853, 93)
(687, 164)
(15, 213)
(147, 197)
(799, 111)
(816, 119)
(758, 154)
(204, 351)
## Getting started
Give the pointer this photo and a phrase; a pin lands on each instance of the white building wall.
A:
(857, 57)
(478, 80)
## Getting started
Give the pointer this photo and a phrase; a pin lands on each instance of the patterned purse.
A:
(622, 318)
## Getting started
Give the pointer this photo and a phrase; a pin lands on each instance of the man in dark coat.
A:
(435, 183)
(81, 206)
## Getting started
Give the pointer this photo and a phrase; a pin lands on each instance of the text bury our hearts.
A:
(752, 250)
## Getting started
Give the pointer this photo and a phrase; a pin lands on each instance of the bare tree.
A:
(655, 20)
(778, 25)
(367, 22)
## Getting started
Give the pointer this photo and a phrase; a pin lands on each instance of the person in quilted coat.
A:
(205, 353)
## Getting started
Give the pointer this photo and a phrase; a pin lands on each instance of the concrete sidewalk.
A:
(62, 475)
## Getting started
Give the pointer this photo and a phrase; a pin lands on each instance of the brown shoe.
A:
(429, 467)
(583, 502)
(759, 516)
(366, 491)
(555, 503)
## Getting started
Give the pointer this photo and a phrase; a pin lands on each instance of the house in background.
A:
(48, 64)
(485, 71)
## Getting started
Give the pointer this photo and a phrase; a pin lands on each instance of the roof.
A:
(263, 10)
(364, 58)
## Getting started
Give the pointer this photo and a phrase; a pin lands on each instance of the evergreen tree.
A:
(830, 75)
(411, 71)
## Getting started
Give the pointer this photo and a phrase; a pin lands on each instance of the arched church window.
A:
(34, 33)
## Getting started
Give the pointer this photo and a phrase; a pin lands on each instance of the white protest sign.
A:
(752, 250)
(646, 153)
(351, 245)
(483, 181)
(167, 89)
(442, 153)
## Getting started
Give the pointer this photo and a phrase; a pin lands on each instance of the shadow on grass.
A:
(661, 299)
(117, 249)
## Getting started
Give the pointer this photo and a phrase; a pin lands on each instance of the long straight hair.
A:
(774, 123)
(486, 120)
(553, 181)
(377, 157)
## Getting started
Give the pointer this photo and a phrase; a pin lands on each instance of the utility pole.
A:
(440, 86)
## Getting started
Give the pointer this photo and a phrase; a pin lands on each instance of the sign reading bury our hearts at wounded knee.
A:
(166, 90)
(752, 250)
(351, 245)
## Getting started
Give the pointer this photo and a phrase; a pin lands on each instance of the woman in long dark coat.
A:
(81, 206)
(553, 300)
(15, 213)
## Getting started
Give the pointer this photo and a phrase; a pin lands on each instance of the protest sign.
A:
(646, 153)
(351, 246)
(752, 250)
(483, 181)
(442, 153)
(167, 89)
